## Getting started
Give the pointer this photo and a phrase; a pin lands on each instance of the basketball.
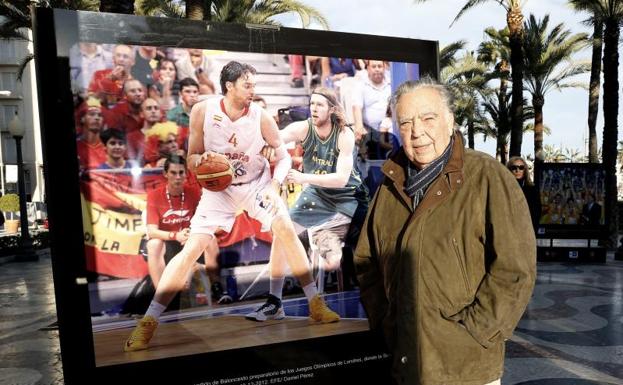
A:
(215, 173)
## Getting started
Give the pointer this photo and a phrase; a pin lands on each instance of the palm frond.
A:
(22, 65)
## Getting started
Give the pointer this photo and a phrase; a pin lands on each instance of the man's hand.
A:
(295, 176)
(182, 236)
(360, 132)
(269, 153)
(269, 199)
(202, 158)
(118, 73)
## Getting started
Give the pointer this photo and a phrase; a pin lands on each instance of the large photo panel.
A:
(123, 88)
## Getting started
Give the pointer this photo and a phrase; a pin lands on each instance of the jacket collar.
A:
(395, 170)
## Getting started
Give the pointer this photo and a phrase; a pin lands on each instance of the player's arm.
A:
(195, 139)
(283, 162)
(360, 130)
(295, 132)
(153, 232)
(344, 167)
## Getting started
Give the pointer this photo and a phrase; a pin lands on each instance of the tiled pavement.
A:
(572, 332)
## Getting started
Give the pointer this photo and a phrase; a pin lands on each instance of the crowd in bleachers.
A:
(132, 103)
(145, 95)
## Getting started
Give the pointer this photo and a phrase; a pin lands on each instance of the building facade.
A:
(19, 97)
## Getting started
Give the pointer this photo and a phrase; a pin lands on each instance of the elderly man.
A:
(107, 84)
(447, 276)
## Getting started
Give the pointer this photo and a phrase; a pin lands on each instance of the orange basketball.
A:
(215, 173)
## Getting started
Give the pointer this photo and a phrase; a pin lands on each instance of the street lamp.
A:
(26, 252)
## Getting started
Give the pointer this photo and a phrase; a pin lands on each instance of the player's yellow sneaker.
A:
(141, 335)
(320, 312)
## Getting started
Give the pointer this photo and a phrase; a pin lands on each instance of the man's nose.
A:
(418, 129)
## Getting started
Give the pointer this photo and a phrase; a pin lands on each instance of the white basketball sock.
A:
(310, 291)
(155, 309)
(276, 286)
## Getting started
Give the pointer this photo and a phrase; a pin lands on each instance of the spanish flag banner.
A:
(113, 203)
(112, 207)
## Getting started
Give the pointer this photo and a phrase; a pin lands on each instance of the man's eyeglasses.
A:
(517, 167)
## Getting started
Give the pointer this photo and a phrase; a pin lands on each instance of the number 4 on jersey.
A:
(233, 140)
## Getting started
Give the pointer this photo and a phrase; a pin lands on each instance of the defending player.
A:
(334, 190)
(232, 125)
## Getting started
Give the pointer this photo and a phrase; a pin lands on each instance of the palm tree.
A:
(497, 123)
(514, 21)
(233, 11)
(593, 94)
(610, 12)
(447, 55)
(496, 51)
(466, 79)
(544, 53)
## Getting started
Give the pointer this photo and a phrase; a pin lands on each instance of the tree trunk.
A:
(503, 128)
(593, 95)
(514, 18)
(470, 133)
(194, 9)
(117, 6)
(537, 103)
(610, 135)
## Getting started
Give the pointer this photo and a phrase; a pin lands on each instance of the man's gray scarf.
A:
(418, 180)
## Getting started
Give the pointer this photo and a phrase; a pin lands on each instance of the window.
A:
(8, 82)
(7, 112)
(9, 152)
(8, 52)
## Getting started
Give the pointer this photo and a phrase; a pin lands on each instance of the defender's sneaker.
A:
(141, 335)
(272, 309)
(320, 312)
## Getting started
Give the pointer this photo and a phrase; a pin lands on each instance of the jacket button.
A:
(403, 359)
(439, 192)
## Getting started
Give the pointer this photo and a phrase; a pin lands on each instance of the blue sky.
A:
(565, 112)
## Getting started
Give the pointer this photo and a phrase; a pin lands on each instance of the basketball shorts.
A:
(218, 210)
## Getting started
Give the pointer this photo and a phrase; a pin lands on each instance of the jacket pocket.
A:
(461, 262)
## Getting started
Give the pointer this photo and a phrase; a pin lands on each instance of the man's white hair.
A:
(425, 82)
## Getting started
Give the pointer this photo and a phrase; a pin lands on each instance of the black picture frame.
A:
(558, 237)
(54, 33)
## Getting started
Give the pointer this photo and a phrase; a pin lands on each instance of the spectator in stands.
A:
(84, 60)
(109, 82)
(189, 95)
(169, 211)
(151, 114)
(165, 87)
(91, 150)
(144, 64)
(335, 69)
(369, 106)
(198, 67)
(115, 142)
(126, 115)
(161, 144)
(296, 68)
